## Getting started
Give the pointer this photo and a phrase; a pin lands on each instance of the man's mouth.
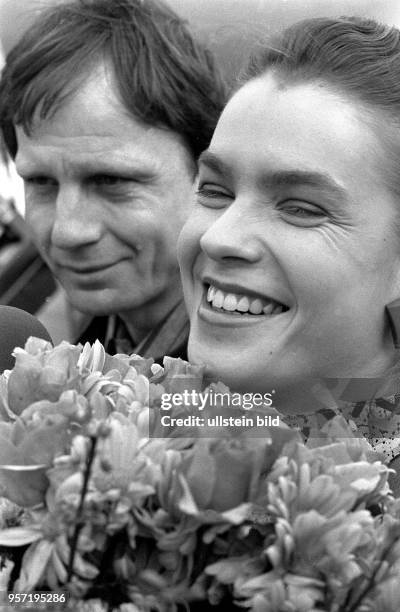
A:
(241, 304)
(87, 269)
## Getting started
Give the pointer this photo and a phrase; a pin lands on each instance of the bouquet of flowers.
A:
(101, 503)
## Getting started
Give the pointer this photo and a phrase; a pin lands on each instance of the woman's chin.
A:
(236, 373)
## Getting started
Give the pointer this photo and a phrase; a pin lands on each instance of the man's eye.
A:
(109, 180)
(40, 181)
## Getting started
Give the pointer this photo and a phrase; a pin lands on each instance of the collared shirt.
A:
(167, 338)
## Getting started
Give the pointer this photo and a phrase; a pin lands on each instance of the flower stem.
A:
(371, 584)
(79, 523)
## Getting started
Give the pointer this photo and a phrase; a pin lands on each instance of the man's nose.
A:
(77, 223)
(234, 235)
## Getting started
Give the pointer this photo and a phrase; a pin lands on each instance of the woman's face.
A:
(291, 252)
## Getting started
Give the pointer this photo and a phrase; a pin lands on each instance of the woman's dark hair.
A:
(359, 56)
(163, 75)
(359, 59)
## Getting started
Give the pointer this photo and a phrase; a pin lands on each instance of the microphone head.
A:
(16, 326)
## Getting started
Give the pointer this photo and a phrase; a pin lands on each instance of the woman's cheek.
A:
(189, 244)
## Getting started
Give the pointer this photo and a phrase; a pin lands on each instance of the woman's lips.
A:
(228, 308)
(242, 304)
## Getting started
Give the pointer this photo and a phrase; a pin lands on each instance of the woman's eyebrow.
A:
(302, 178)
(213, 162)
(276, 179)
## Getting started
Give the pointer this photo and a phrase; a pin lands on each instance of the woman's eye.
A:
(302, 212)
(212, 196)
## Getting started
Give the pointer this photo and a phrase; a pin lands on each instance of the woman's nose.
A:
(77, 221)
(233, 235)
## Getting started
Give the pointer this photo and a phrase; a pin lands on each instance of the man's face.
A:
(106, 197)
(291, 253)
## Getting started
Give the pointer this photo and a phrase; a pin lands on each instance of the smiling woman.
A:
(291, 255)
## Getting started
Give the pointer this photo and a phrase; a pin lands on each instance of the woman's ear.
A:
(393, 313)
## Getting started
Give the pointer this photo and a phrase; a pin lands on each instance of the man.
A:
(105, 107)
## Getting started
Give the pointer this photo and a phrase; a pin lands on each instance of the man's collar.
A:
(168, 337)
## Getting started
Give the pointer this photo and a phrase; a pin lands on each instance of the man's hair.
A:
(164, 77)
(359, 59)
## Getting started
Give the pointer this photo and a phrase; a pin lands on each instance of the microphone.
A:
(16, 326)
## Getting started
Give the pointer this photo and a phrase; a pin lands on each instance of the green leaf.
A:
(187, 504)
(201, 475)
(19, 536)
(42, 444)
(238, 515)
(84, 569)
(23, 384)
(8, 452)
(34, 564)
(227, 571)
(25, 485)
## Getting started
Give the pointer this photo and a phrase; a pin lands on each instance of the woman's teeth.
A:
(233, 302)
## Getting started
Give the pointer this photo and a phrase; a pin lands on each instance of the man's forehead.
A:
(142, 152)
(83, 153)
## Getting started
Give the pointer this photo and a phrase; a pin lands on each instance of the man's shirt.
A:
(168, 338)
